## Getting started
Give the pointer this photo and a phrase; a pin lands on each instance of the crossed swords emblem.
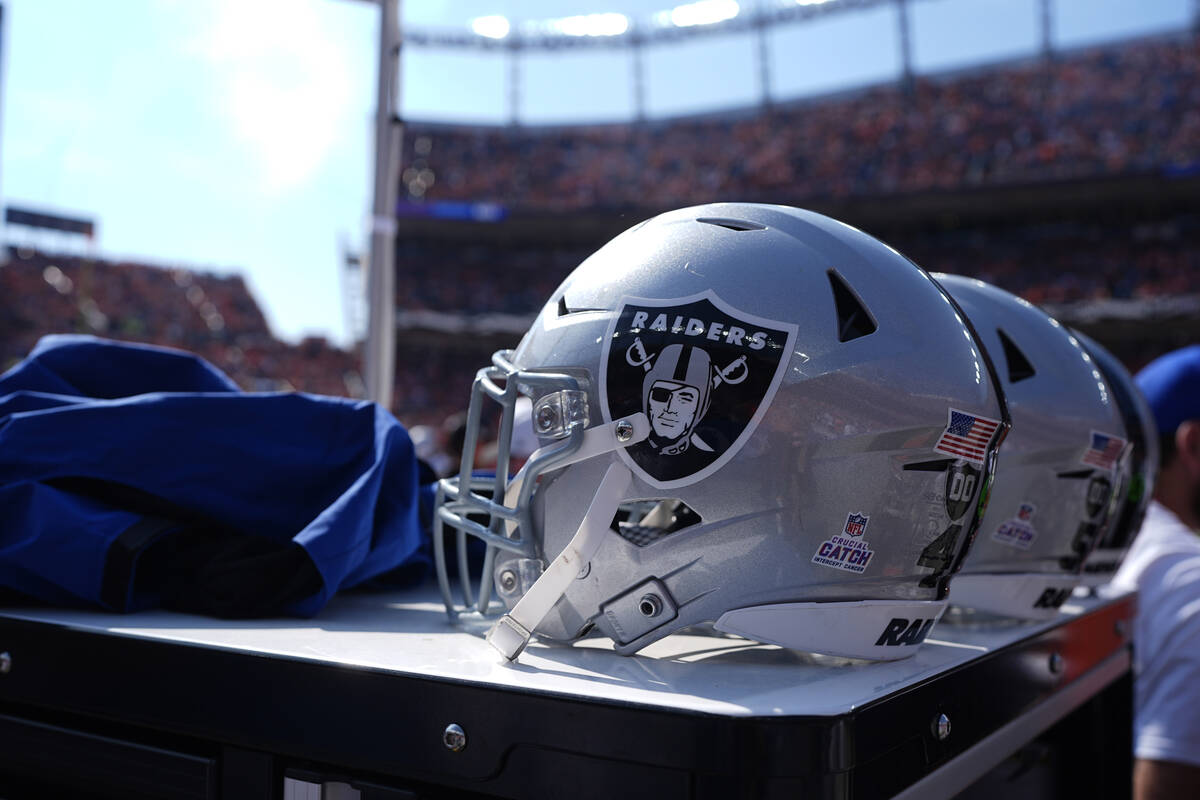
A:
(736, 372)
(733, 373)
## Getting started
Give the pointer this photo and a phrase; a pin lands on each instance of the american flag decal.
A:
(1104, 451)
(966, 436)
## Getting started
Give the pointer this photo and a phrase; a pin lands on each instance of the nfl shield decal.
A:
(1018, 532)
(703, 373)
(856, 524)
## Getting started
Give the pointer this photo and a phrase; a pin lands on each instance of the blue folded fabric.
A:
(133, 476)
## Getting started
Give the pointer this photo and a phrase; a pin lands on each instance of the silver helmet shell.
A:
(1136, 472)
(1056, 470)
(791, 381)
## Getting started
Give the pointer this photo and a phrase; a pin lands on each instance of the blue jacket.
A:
(134, 476)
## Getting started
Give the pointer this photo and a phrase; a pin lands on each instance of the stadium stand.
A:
(1050, 263)
(1071, 182)
(214, 316)
(1147, 273)
(1132, 108)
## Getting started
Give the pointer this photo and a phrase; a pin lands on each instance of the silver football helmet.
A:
(1133, 485)
(748, 415)
(1055, 472)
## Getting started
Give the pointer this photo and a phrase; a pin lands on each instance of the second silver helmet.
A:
(1055, 472)
(1133, 484)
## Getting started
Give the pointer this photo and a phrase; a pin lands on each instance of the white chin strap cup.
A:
(511, 633)
(879, 630)
(1030, 595)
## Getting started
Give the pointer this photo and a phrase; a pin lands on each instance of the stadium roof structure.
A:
(614, 30)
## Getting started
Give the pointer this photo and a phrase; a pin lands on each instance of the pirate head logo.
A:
(676, 391)
(702, 372)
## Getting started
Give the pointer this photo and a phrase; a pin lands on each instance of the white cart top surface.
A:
(408, 633)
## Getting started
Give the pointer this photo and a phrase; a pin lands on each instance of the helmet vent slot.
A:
(853, 319)
(937, 465)
(1019, 367)
(1076, 474)
(564, 309)
(732, 224)
(643, 522)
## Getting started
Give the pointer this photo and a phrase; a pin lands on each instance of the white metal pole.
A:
(639, 77)
(379, 358)
(514, 84)
(905, 35)
(763, 52)
(1047, 25)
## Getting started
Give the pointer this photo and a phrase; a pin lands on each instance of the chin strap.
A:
(511, 632)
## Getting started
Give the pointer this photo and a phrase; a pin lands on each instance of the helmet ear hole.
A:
(853, 319)
(1019, 367)
(643, 522)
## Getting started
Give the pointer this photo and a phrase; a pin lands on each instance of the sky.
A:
(235, 136)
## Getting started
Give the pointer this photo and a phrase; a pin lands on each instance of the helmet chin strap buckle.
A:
(509, 637)
(512, 632)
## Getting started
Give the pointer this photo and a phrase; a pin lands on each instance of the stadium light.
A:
(491, 27)
(614, 30)
(703, 12)
(606, 24)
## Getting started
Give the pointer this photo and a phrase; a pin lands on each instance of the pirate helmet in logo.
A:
(743, 414)
(1133, 484)
(1051, 499)
(676, 395)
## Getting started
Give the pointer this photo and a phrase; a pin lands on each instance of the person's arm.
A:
(1165, 780)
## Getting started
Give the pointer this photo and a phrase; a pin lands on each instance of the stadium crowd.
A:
(217, 317)
(1127, 108)
(1045, 264)
(448, 275)
(1055, 264)
(211, 315)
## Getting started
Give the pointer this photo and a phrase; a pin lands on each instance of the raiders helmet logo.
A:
(703, 373)
(962, 479)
